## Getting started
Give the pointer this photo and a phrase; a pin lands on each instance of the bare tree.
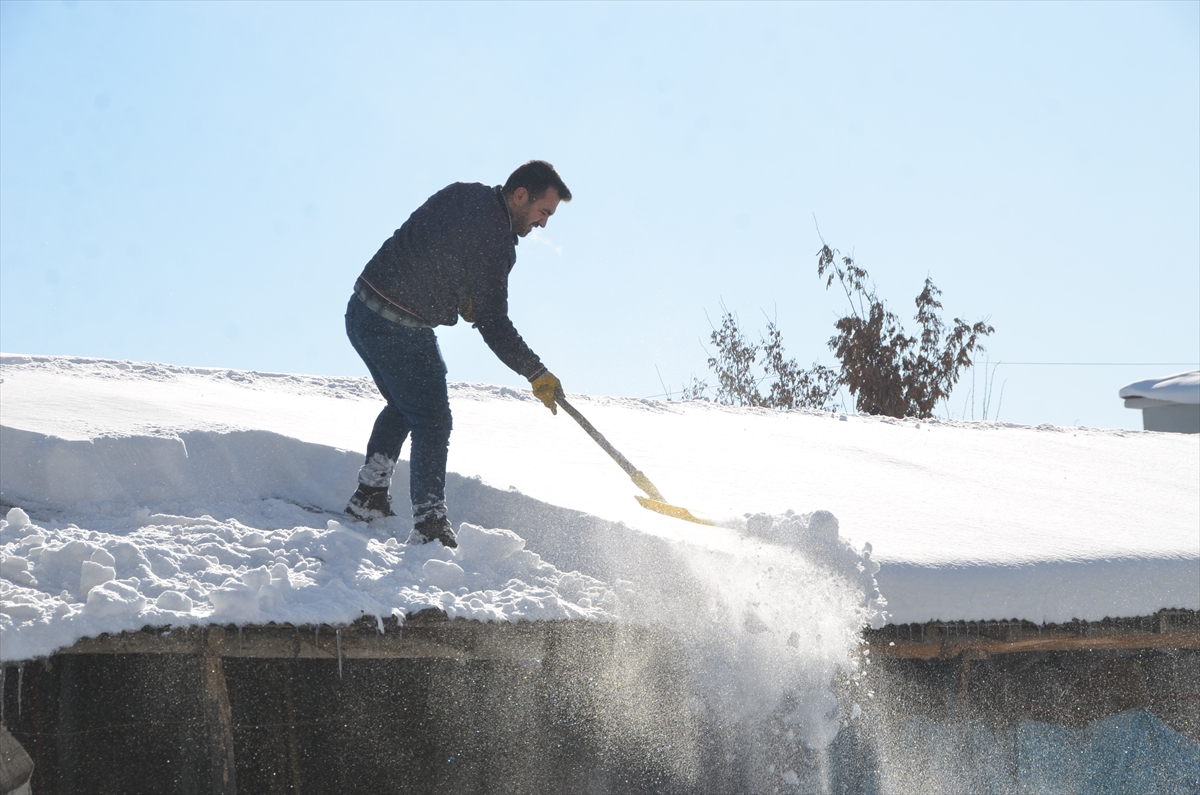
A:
(737, 363)
(887, 371)
(733, 364)
(792, 386)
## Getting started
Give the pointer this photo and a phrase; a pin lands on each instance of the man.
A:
(451, 258)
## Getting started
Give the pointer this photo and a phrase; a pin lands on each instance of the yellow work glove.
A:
(545, 387)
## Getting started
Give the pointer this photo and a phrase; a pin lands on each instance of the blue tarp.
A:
(1131, 753)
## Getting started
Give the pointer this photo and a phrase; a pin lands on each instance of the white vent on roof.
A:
(1169, 404)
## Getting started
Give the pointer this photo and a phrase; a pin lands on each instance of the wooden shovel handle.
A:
(640, 480)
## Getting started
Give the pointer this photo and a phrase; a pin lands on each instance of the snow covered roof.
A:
(1179, 388)
(180, 495)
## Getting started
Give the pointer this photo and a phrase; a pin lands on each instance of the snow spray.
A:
(758, 632)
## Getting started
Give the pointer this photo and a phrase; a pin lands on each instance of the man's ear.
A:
(520, 196)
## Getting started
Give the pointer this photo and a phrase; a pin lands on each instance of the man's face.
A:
(527, 213)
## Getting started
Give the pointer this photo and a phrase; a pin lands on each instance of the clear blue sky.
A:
(200, 183)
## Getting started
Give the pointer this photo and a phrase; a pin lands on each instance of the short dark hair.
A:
(535, 176)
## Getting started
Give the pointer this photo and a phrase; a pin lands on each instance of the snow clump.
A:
(63, 583)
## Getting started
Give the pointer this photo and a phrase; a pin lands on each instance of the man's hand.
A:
(545, 387)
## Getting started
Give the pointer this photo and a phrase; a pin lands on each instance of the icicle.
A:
(339, 648)
(20, 682)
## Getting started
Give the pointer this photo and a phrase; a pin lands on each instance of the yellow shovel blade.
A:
(671, 510)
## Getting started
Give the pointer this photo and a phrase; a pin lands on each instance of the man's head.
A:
(533, 192)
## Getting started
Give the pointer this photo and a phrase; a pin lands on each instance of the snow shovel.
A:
(656, 501)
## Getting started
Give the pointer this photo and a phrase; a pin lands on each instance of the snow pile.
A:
(968, 521)
(816, 536)
(124, 572)
(1179, 388)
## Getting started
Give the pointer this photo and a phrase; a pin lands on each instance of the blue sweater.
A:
(457, 247)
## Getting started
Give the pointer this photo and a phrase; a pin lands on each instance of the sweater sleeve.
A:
(491, 318)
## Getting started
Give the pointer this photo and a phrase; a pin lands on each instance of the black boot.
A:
(370, 503)
(433, 528)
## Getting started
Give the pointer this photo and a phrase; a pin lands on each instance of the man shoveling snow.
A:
(451, 258)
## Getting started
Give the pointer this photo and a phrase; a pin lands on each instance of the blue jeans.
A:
(407, 366)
